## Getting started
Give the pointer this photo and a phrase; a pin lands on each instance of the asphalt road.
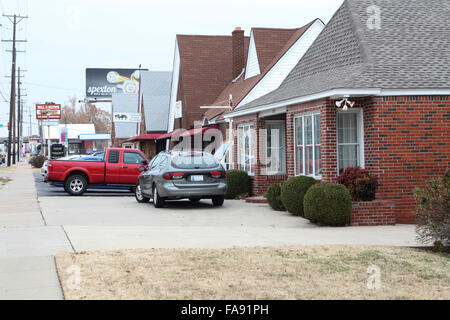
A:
(47, 190)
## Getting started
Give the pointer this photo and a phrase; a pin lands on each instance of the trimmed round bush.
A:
(273, 197)
(292, 192)
(328, 204)
(237, 184)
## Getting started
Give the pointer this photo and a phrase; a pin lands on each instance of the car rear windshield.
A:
(194, 162)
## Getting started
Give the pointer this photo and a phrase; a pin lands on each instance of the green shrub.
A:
(273, 197)
(37, 161)
(433, 212)
(328, 204)
(292, 192)
(237, 184)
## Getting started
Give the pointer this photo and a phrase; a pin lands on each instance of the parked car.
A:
(121, 167)
(179, 175)
(44, 169)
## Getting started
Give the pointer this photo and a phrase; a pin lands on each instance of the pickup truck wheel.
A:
(218, 201)
(158, 202)
(139, 196)
(76, 185)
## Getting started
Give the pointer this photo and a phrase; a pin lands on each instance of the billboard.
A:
(102, 83)
(48, 111)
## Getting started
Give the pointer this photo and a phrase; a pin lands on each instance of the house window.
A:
(307, 145)
(275, 147)
(245, 148)
(349, 126)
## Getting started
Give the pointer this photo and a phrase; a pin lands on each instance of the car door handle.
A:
(125, 167)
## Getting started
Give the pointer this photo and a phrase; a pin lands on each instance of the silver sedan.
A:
(180, 175)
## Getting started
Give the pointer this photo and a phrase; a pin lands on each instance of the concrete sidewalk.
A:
(27, 245)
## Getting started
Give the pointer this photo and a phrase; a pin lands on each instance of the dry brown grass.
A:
(313, 272)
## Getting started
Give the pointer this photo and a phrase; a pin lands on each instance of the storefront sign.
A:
(56, 151)
(127, 117)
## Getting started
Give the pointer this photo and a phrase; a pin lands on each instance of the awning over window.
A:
(146, 137)
(187, 133)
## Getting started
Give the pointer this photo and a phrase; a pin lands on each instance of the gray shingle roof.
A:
(411, 50)
(156, 87)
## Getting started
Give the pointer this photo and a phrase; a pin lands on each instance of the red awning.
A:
(145, 137)
(201, 130)
(187, 133)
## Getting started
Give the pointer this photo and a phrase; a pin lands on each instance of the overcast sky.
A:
(67, 36)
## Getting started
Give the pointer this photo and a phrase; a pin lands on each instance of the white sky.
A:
(67, 36)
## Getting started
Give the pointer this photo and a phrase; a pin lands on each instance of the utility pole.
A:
(18, 116)
(15, 19)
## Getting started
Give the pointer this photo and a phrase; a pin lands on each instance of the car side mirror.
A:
(142, 169)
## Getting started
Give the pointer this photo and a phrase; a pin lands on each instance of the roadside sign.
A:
(48, 111)
(178, 110)
(127, 117)
(63, 138)
(56, 151)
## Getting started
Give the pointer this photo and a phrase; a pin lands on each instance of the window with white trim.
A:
(308, 156)
(245, 148)
(275, 147)
(350, 144)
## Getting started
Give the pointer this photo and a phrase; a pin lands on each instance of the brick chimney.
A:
(238, 51)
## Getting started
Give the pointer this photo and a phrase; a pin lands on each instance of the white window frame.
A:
(360, 130)
(281, 149)
(250, 127)
(303, 115)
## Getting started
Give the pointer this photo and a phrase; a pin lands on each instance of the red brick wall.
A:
(407, 141)
(373, 213)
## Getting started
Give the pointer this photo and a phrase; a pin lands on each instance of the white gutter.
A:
(339, 93)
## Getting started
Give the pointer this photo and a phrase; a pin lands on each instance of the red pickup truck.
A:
(120, 167)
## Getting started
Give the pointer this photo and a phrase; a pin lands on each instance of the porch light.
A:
(345, 103)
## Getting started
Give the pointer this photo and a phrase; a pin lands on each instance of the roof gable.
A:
(240, 88)
(269, 42)
(407, 51)
(252, 67)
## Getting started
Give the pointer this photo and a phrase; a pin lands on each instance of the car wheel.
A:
(139, 196)
(158, 202)
(218, 201)
(194, 200)
(76, 185)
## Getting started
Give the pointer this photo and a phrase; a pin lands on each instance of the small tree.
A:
(433, 211)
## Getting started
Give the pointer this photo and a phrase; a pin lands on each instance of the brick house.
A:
(388, 63)
(212, 74)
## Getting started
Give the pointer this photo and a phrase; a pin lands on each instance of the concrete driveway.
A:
(116, 220)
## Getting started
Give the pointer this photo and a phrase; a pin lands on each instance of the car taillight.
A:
(219, 174)
(177, 176)
(173, 176)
